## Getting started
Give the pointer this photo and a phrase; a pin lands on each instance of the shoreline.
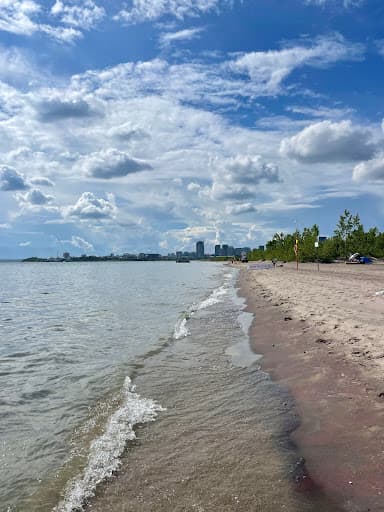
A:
(341, 435)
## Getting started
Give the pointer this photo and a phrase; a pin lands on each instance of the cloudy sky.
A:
(146, 125)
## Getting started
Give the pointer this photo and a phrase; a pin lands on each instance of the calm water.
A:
(144, 368)
(70, 335)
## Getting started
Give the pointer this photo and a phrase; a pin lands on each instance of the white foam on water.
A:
(381, 292)
(215, 297)
(105, 451)
(181, 330)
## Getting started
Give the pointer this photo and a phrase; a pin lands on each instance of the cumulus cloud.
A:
(57, 109)
(270, 68)
(35, 197)
(128, 132)
(239, 176)
(84, 15)
(146, 10)
(89, 206)
(238, 209)
(10, 179)
(246, 169)
(182, 35)
(330, 142)
(111, 163)
(41, 181)
(373, 170)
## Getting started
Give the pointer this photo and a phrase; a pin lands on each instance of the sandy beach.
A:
(321, 335)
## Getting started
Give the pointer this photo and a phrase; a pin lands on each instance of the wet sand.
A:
(322, 336)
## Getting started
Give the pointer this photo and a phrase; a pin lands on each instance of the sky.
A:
(147, 125)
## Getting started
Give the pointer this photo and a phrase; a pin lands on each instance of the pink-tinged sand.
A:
(322, 335)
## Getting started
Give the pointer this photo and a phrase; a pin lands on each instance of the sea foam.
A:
(105, 451)
(181, 330)
(214, 298)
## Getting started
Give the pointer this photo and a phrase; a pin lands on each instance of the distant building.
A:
(322, 239)
(66, 256)
(224, 250)
(200, 250)
(217, 250)
(261, 248)
(179, 254)
(230, 251)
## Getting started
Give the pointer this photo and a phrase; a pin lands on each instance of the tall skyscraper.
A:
(200, 250)
(217, 250)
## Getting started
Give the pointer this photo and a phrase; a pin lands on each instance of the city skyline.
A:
(147, 125)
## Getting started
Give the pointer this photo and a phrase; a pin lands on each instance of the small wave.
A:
(181, 330)
(214, 298)
(105, 451)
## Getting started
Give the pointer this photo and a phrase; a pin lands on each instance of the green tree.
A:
(347, 224)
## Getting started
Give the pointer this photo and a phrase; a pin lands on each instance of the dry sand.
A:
(342, 302)
(322, 335)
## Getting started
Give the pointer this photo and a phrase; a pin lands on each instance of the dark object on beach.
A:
(321, 340)
(286, 318)
(381, 395)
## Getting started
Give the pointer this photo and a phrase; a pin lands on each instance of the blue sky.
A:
(146, 125)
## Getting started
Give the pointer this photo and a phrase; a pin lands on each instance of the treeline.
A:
(349, 237)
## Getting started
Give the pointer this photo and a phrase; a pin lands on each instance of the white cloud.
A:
(149, 10)
(128, 132)
(246, 169)
(193, 186)
(269, 69)
(24, 244)
(24, 17)
(10, 179)
(345, 3)
(181, 35)
(84, 15)
(16, 16)
(373, 170)
(79, 242)
(323, 112)
(91, 207)
(41, 181)
(35, 197)
(111, 163)
(239, 209)
(238, 178)
(330, 142)
(16, 67)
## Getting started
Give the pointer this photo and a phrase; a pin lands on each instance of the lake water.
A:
(143, 368)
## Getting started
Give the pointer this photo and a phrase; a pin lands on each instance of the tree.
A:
(345, 227)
